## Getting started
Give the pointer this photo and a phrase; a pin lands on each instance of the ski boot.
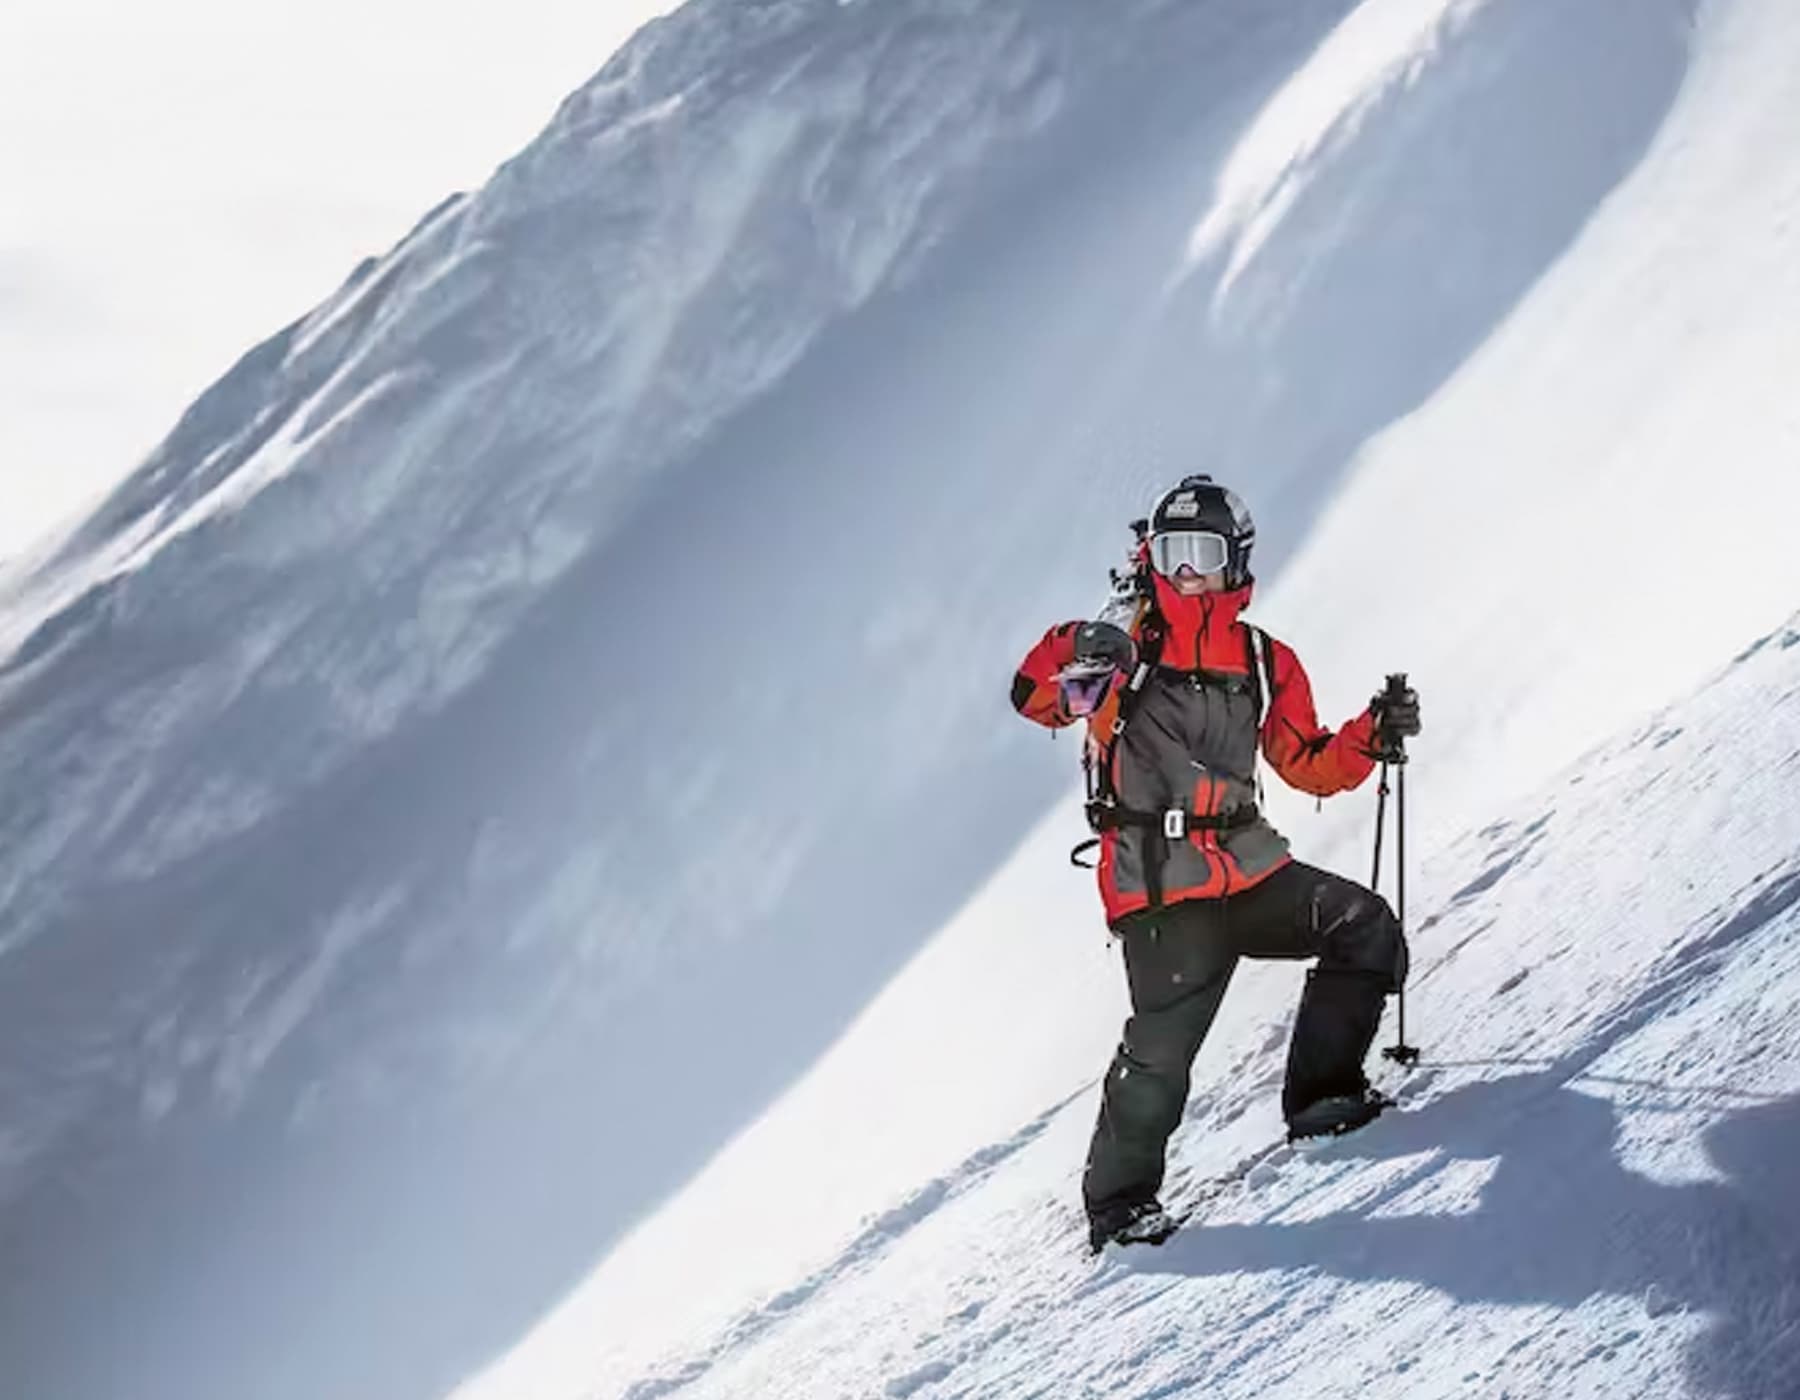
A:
(1132, 1222)
(1337, 1114)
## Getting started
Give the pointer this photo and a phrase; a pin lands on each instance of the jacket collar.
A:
(1201, 631)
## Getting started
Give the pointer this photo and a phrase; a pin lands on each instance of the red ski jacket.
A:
(1190, 748)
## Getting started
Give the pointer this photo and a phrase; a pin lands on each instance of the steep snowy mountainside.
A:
(1605, 491)
(545, 651)
(532, 705)
(733, 182)
(1587, 517)
(1586, 1192)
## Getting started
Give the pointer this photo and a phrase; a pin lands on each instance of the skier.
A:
(1179, 694)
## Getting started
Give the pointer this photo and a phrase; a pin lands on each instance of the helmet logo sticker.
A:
(1184, 507)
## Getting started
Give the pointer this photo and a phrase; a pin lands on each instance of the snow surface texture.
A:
(531, 707)
(1588, 1191)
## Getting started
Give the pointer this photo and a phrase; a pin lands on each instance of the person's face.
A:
(1191, 585)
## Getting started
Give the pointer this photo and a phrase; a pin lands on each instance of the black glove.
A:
(1101, 643)
(1396, 712)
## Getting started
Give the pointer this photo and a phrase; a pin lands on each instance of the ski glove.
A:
(1102, 650)
(1101, 643)
(1396, 715)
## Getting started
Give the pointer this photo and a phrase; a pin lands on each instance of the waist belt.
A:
(1174, 823)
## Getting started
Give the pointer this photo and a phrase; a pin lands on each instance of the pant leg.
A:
(1302, 911)
(1178, 962)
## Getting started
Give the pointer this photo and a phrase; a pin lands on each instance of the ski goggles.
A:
(1203, 551)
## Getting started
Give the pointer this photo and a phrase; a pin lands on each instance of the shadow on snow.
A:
(1561, 1222)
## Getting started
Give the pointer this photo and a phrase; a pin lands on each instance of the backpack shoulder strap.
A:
(1262, 669)
(1262, 678)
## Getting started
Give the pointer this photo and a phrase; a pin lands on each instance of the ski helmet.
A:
(1200, 506)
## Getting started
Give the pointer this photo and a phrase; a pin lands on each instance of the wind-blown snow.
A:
(516, 728)
(1375, 47)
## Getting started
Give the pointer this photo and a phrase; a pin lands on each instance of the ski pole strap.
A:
(1075, 856)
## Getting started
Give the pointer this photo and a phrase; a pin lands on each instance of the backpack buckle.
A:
(1175, 824)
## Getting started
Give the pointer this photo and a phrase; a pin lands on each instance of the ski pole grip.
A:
(1393, 746)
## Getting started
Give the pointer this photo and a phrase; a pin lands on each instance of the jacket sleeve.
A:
(1036, 694)
(1307, 755)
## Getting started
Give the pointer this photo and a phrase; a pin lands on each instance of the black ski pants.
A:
(1179, 960)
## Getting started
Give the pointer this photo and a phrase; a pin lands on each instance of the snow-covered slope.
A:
(1589, 1191)
(530, 707)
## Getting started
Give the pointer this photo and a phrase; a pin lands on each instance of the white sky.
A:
(179, 180)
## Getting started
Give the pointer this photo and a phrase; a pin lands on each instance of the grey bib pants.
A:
(1179, 960)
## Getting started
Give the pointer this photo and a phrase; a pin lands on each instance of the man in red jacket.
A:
(1180, 695)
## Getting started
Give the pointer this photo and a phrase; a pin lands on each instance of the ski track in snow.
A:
(1587, 1190)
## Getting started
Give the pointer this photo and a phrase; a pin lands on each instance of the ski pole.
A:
(1400, 1052)
(1381, 797)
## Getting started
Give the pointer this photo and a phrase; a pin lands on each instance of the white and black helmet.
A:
(1204, 526)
